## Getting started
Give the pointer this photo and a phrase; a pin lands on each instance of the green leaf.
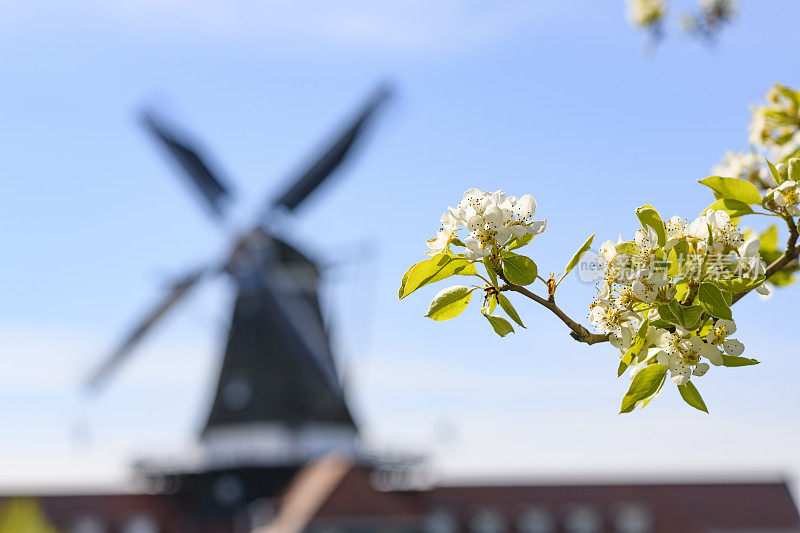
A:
(577, 257)
(668, 315)
(520, 242)
(628, 248)
(734, 208)
(621, 368)
(690, 394)
(648, 216)
(732, 360)
(713, 301)
(492, 303)
(509, 309)
(782, 278)
(519, 269)
(487, 263)
(794, 169)
(686, 317)
(739, 284)
(646, 385)
(681, 290)
(769, 239)
(677, 258)
(500, 325)
(673, 313)
(728, 296)
(774, 171)
(637, 344)
(673, 265)
(436, 268)
(691, 316)
(405, 280)
(449, 302)
(733, 188)
(794, 96)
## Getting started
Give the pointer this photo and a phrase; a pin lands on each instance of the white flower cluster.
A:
(683, 351)
(644, 13)
(785, 197)
(640, 278)
(775, 127)
(491, 220)
(748, 166)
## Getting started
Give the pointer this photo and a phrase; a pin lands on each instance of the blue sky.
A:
(551, 98)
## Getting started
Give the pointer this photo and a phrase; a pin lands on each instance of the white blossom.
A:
(626, 300)
(444, 236)
(725, 236)
(646, 240)
(719, 336)
(748, 166)
(491, 221)
(683, 356)
(646, 284)
(775, 126)
(785, 197)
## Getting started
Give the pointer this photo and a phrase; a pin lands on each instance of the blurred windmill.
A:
(278, 398)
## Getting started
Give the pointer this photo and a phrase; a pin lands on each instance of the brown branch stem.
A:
(579, 333)
(791, 253)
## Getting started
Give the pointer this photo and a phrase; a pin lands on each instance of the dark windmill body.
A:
(279, 402)
(278, 397)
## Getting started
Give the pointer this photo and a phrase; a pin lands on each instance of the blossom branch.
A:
(579, 332)
(785, 260)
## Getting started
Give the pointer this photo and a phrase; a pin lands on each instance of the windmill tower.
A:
(278, 401)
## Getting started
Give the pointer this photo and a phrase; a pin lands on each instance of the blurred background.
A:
(561, 100)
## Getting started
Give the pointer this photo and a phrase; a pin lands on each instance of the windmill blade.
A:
(330, 159)
(197, 169)
(176, 293)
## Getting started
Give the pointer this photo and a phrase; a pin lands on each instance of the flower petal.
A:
(537, 226)
(475, 226)
(729, 325)
(679, 371)
(493, 217)
(503, 234)
(733, 347)
(525, 208)
(700, 369)
(518, 231)
(712, 353)
(699, 228)
(645, 292)
(750, 248)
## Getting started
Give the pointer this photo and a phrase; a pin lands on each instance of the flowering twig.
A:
(659, 324)
(579, 332)
(791, 254)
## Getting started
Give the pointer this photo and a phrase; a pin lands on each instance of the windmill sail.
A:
(177, 293)
(325, 165)
(195, 167)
